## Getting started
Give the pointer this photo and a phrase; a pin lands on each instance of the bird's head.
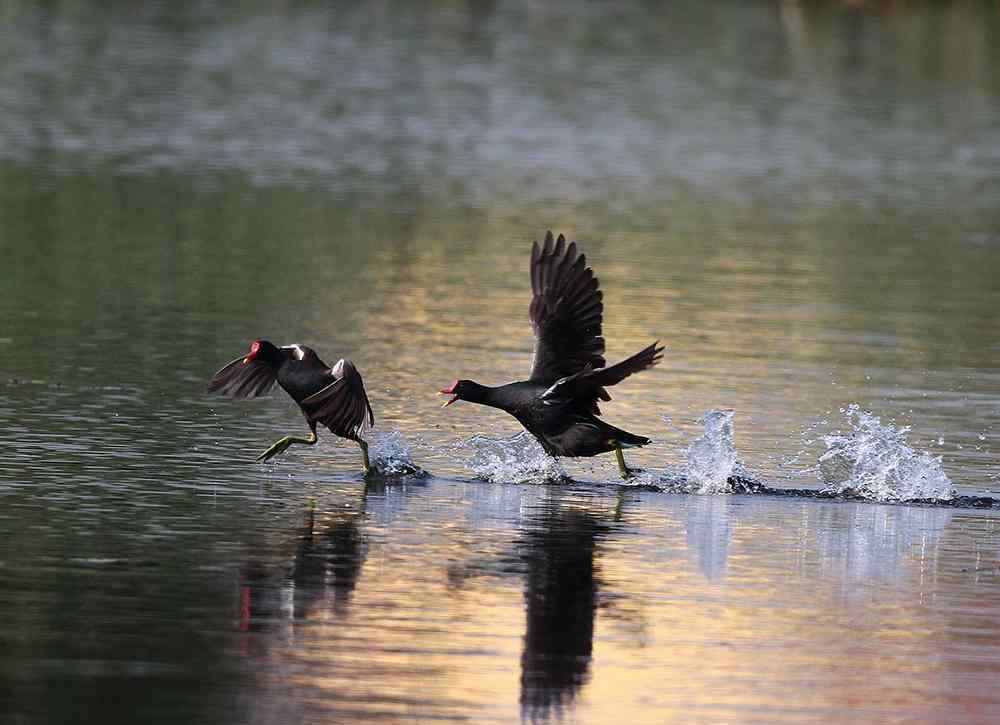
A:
(262, 351)
(468, 390)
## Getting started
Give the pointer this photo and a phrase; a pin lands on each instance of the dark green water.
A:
(800, 200)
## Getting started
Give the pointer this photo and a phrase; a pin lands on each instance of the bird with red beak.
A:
(558, 403)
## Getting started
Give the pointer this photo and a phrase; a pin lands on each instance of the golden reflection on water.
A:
(746, 327)
(803, 210)
(550, 603)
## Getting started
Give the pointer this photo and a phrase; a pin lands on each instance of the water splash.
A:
(711, 457)
(872, 460)
(711, 466)
(390, 456)
(513, 460)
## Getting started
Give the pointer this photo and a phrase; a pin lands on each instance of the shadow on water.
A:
(322, 571)
(556, 554)
(558, 549)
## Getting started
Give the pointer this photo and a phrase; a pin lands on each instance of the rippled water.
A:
(798, 199)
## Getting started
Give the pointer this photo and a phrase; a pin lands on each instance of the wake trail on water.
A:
(867, 460)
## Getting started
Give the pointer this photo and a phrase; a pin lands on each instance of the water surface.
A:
(799, 200)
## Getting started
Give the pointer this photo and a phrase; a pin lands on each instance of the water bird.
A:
(334, 397)
(558, 403)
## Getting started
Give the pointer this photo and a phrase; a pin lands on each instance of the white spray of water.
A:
(390, 456)
(873, 460)
(513, 460)
(711, 457)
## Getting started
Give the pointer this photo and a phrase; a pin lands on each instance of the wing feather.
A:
(237, 379)
(566, 311)
(588, 385)
(342, 406)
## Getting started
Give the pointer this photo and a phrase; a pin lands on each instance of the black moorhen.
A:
(558, 403)
(334, 397)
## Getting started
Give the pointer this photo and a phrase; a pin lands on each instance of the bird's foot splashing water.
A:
(872, 460)
(513, 460)
(390, 456)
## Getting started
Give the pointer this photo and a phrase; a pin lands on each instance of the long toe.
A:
(628, 473)
(276, 449)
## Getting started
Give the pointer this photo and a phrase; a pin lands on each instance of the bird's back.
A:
(302, 373)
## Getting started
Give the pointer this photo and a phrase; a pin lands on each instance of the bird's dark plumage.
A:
(566, 311)
(558, 403)
(240, 379)
(333, 397)
(342, 405)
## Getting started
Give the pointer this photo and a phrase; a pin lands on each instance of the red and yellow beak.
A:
(449, 391)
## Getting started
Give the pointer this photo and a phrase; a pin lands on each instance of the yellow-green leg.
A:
(281, 445)
(620, 504)
(364, 455)
(624, 470)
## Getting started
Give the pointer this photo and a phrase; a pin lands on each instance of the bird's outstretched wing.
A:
(566, 311)
(238, 379)
(588, 385)
(342, 406)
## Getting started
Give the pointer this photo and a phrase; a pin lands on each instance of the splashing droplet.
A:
(513, 460)
(873, 460)
(390, 456)
(711, 457)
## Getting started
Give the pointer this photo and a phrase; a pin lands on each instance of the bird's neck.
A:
(481, 394)
(509, 398)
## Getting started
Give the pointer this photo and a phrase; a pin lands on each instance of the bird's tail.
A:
(588, 383)
(606, 377)
(624, 438)
(645, 358)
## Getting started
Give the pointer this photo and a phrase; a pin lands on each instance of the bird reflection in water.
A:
(328, 563)
(324, 569)
(558, 551)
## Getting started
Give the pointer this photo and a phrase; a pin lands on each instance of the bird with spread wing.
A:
(558, 403)
(334, 397)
